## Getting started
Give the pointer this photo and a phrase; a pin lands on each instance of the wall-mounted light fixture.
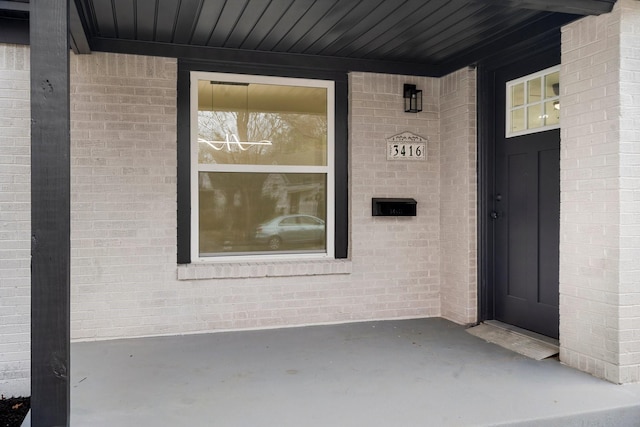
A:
(412, 99)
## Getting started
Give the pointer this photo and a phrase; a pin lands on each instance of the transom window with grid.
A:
(533, 103)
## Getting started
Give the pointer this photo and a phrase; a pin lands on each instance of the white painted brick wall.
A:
(458, 187)
(629, 290)
(600, 207)
(125, 281)
(123, 206)
(15, 221)
(124, 275)
(401, 254)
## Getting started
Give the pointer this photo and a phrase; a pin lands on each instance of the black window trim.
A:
(184, 135)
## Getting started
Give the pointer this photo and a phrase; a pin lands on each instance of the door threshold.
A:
(515, 339)
(530, 334)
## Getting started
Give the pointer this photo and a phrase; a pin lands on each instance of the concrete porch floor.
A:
(426, 372)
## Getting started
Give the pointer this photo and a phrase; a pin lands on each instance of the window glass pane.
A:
(534, 88)
(261, 124)
(535, 118)
(552, 112)
(552, 85)
(517, 120)
(252, 213)
(517, 95)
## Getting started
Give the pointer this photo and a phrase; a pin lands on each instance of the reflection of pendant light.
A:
(232, 140)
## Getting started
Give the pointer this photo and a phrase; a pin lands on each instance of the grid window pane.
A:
(534, 90)
(517, 95)
(552, 112)
(552, 85)
(517, 120)
(535, 118)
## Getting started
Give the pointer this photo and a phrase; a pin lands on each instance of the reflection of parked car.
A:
(290, 229)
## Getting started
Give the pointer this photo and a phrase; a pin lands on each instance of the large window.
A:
(262, 167)
(533, 103)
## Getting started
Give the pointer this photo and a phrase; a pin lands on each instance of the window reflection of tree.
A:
(297, 139)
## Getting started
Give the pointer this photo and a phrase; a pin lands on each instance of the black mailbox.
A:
(393, 207)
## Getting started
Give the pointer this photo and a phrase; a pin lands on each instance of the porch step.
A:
(628, 416)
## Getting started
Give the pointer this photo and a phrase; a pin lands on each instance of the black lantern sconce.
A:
(412, 99)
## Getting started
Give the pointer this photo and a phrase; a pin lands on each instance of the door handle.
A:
(494, 215)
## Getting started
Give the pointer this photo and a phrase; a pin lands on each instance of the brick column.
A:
(600, 194)
(458, 189)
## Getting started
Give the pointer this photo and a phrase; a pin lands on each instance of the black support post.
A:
(50, 212)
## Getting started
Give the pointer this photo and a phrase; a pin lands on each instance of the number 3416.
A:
(399, 151)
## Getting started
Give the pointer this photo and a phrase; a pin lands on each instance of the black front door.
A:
(525, 218)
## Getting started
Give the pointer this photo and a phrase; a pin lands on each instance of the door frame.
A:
(545, 47)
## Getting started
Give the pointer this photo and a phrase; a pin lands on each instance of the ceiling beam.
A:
(574, 7)
(14, 31)
(14, 6)
(77, 34)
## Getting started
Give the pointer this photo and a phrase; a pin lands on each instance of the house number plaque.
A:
(406, 146)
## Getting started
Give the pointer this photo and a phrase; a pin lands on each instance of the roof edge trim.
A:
(240, 56)
(574, 7)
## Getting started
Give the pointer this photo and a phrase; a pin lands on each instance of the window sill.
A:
(263, 269)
